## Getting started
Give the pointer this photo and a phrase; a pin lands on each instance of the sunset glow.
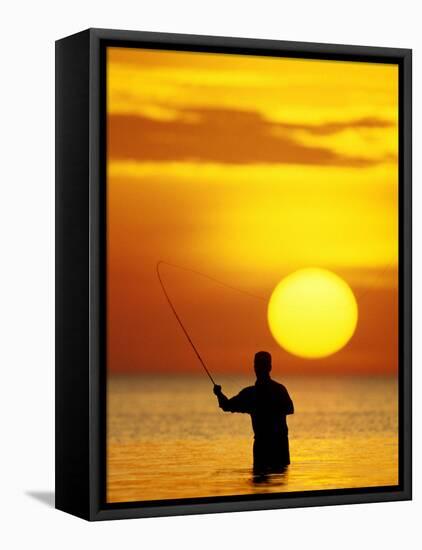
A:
(247, 169)
(252, 205)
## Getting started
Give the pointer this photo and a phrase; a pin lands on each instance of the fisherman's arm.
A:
(288, 403)
(235, 404)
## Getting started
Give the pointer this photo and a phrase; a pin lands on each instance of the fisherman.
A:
(268, 403)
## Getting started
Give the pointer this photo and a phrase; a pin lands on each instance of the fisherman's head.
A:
(262, 365)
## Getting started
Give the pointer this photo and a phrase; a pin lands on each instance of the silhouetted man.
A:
(268, 403)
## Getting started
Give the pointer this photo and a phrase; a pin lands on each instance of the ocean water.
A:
(167, 438)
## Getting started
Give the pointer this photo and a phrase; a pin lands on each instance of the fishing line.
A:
(370, 288)
(188, 269)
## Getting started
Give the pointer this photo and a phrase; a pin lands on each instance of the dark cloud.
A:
(225, 136)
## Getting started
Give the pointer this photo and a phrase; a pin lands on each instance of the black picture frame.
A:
(80, 273)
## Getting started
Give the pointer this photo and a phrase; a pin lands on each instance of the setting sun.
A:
(312, 313)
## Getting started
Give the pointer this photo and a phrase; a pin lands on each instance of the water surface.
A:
(167, 438)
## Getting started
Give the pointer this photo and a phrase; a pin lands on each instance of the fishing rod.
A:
(181, 323)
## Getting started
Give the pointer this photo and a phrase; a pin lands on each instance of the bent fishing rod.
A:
(181, 323)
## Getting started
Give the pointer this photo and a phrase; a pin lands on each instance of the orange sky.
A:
(246, 169)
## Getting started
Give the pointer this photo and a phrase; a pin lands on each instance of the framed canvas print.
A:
(233, 280)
